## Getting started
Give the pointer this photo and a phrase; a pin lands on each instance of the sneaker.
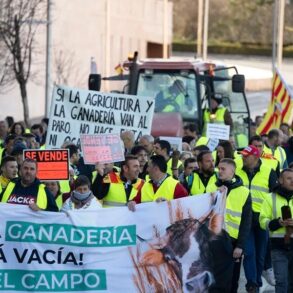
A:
(269, 276)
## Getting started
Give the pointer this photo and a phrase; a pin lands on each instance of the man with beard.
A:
(116, 189)
(204, 176)
(28, 190)
(276, 217)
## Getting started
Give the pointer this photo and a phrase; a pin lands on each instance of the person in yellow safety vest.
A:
(268, 159)
(259, 179)
(204, 176)
(54, 187)
(173, 98)
(9, 171)
(271, 162)
(219, 114)
(273, 146)
(238, 212)
(28, 190)
(163, 148)
(161, 185)
(276, 217)
(81, 198)
(116, 189)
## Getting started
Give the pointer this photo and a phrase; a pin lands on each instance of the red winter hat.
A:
(250, 150)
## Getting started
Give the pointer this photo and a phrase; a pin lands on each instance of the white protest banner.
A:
(75, 111)
(102, 148)
(175, 142)
(218, 131)
(112, 250)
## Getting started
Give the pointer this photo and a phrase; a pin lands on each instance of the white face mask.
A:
(81, 196)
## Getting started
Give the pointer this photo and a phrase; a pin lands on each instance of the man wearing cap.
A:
(260, 180)
(219, 114)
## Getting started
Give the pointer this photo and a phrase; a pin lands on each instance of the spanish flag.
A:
(280, 107)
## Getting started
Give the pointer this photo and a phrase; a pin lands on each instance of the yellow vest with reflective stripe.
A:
(279, 153)
(165, 190)
(41, 196)
(234, 205)
(198, 187)
(116, 195)
(259, 185)
(271, 209)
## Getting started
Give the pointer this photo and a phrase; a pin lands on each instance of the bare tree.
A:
(19, 21)
(67, 70)
(6, 76)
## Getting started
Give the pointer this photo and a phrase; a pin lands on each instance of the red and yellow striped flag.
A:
(280, 106)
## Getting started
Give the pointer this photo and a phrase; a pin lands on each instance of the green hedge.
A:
(225, 48)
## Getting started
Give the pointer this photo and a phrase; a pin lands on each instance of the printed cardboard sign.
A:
(218, 131)
(52, 164)
(101, 148)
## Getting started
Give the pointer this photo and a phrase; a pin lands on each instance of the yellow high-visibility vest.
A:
(234, 205)
(165, 190)
(41, 196)
(279, 153)
(219, 117)
(116, 195)
(59, 201)
(271, 209)
(198, 187)
(259, 185)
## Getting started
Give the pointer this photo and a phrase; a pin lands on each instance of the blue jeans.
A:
(254, 255)
(283, 268)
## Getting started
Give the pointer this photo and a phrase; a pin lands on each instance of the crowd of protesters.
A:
(258, 180)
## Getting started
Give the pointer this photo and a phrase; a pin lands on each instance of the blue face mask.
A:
(81, 196)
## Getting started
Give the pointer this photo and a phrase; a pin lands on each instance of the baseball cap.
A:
(250, 150)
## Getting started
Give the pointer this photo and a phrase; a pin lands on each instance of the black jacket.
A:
(25, 195)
